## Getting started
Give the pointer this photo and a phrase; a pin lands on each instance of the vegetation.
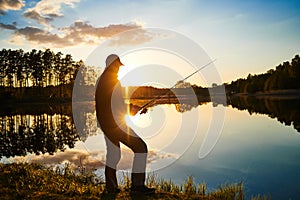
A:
(34, 181)
(23, 74)
(45, 75)
(36, 68)
(285, 76)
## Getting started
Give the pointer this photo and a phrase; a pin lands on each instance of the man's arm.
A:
(134, 109)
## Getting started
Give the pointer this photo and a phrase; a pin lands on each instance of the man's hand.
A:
(145, 110)
(134, 109)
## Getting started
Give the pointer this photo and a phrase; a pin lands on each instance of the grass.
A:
(34, 181)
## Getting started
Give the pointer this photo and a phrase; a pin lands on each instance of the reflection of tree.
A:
(65, 133)
(183, 95)
(42, 133)
(184, 107)
(287, 111)
(45, 128)
(85, 119)
(186, 104)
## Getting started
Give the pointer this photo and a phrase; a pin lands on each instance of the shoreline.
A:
(282, 94)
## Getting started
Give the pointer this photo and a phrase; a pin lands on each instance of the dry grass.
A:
(34, 181)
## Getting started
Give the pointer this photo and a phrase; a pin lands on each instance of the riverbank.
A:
(282, 94)
(34, 181)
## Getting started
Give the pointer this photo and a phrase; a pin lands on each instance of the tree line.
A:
(285, 76)
(42, 76)
(39, 68)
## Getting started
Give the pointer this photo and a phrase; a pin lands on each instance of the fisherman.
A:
(111, 110)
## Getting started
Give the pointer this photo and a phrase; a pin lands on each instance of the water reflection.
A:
(183, 104)
(39, 134)
(84, 116)
(47, 128)
(285, 110)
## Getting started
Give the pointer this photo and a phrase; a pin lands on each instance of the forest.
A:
(40, 74)
(284, 76)
(44, 75)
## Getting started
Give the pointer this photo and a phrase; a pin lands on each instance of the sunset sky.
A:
(249, 36)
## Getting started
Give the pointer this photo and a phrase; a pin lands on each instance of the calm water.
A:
(259, 142)
(255, 149)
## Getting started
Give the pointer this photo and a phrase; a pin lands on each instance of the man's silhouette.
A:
(111, 110)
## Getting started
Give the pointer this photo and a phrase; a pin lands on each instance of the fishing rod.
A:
(160, 96)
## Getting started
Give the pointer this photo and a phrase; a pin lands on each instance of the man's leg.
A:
(113, 156)
(139, 147)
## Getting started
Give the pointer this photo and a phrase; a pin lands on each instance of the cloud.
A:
(10, 5)
(36, 16)
(8, 26)
(46, 11)
(76, 34)
(83, 28)
(139, 36)
(40, 36)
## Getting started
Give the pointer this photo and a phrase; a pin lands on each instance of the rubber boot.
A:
(111, 183)
(138, 184)
(138, 179)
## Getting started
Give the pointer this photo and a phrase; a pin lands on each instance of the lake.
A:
(253, 140)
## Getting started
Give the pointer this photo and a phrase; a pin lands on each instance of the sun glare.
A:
(141, 121)
(151, 57)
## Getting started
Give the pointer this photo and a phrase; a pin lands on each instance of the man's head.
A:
(113, 59)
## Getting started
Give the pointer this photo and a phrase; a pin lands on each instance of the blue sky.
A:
(245, 36)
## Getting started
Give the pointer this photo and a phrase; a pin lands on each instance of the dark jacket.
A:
(110, 106)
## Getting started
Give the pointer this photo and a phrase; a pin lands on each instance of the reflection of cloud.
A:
(88, 160)
(10, 5)
(47, 10)
(78, 33)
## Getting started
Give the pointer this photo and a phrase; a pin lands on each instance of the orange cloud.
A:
(10, 5)
(76, 34)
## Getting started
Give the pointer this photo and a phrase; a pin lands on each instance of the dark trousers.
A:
(125, 135)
